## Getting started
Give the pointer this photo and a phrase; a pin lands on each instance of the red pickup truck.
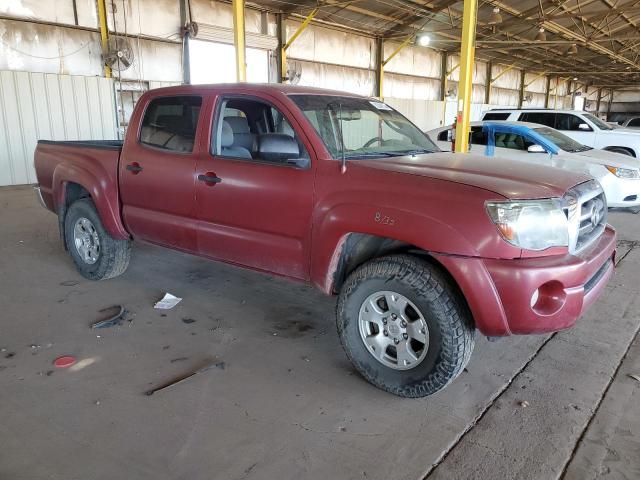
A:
(423, 248)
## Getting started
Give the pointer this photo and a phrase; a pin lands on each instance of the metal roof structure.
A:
(595, 40)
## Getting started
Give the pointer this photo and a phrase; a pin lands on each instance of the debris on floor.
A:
(523, 404)
(168, 302)
(182, 378)
(112, 320)
(64, 361)
(188, 320)
(634, 376)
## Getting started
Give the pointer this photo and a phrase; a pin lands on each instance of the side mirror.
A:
(584, 127)
(280, 148)
(535, 148)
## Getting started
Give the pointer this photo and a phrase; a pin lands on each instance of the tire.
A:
(431, 300)
(109, 257)
(621, 150)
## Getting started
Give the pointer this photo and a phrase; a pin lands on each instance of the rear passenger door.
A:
(157, 167)
(255, 208)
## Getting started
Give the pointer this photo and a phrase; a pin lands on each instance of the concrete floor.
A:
(283, 401)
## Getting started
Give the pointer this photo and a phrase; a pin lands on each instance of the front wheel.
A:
(96, 254)
(404, 326)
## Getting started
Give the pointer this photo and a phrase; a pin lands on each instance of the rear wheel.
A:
(404, 326)
(96, 254)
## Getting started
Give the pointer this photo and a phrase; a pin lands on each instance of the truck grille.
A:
(586, 210)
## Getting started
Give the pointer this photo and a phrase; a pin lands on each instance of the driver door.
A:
(259, 212)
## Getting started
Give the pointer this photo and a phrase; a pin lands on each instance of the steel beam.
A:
(104, 34)
(489, 81)
(465, 84)
(522, 89)
(286, 44)
(547, 92)
(379, 68)
(239, 40)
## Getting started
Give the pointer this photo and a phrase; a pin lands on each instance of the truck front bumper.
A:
(533, 295)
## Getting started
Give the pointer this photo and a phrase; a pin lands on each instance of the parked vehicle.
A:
(583, 127)
(618, 174)
(633, 122)
(344, 193)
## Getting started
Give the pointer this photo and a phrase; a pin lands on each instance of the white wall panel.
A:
(410, 87)
(509, 79)
(39, 106)
(537, 84)
(43, 48)
(331, 46)
(221, 15)
(426, 114)
(335, 77)
(156, 18)
(413, 60)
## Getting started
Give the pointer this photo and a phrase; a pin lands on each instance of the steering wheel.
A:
(372, 141)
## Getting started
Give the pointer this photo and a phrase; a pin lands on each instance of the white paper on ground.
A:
(168, 301)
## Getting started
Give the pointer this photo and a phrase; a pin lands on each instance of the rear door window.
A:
(170, 123)
(634, 123)
(543, 118)
(496, 116)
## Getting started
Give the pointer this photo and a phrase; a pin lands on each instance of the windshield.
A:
(561, 140)
(362, 128)
(598, 123)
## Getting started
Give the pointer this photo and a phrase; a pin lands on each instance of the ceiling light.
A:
(424, 40)
(575, 79)
(495, 17)
(573, 49)
(541, 36)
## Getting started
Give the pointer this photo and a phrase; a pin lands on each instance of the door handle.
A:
(134, 168)
(209, 178)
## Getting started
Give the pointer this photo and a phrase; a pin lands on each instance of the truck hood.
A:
(513, 180)
(604, 157)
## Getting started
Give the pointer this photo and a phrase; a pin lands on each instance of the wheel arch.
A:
(613, 148)
(71, 183)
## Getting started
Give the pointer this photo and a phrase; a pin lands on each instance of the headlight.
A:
(531, 224)
(624, 172)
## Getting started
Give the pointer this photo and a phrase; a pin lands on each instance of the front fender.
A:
(419, 230)
(104, 194)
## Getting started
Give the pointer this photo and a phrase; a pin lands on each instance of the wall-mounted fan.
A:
(294, 72)
(119, 55)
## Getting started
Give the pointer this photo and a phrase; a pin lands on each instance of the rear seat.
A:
(169, 132)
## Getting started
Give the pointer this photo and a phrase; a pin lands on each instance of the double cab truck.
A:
(422, 248)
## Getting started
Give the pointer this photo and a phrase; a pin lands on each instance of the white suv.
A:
(583, 127)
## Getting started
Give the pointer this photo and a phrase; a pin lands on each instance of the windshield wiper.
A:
(417, 151)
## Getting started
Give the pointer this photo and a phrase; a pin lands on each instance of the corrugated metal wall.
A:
(44, 106)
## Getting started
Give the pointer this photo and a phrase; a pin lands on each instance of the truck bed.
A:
(91, 163)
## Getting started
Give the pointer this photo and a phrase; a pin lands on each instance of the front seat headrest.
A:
(238, 124)
(227, 135)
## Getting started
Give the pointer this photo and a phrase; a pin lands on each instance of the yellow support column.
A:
(239, 40)
(104, 33)
(465, 84)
